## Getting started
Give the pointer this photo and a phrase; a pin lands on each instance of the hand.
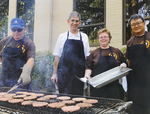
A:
(25, 75)
(87, 76)
(54, 78)
(123, 65)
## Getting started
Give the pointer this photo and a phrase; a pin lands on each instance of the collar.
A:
(70, 33)
(20, 39)
(140, 36)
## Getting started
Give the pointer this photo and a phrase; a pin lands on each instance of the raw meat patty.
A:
(68, 101)
(27, 102)
(63, 98)
(42, 98)
(30, 97)
(81, 105)
(78, 99)
(70, 108)
(39, 104)
(19, 96)
(15, 100)
(92, 101)
(56, 105)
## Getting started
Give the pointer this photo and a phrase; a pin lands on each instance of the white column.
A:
(12, 13)
(43, 24)
(61, 11)
(114, 21)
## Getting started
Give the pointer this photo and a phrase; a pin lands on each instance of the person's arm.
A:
(26, 71)
(30, 62)
(54, 77)
(88, 73)
(86, 46)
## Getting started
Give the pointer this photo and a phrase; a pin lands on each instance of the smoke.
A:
(42, 72)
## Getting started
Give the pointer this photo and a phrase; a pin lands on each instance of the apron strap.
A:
(80, 36)
(67, 35)
(9, 41)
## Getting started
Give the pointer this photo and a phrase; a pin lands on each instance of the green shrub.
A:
(42, 72)
(123, 50)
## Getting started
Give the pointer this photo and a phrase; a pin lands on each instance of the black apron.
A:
(112, 90)
(12, 60)
(71, 63)
(139, 78)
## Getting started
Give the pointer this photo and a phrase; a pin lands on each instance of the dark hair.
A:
(135, 16)
(74, 14)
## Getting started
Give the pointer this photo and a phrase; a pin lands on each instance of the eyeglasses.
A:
(75, 20)
(18, 30)
(138, 23)
(103, 37)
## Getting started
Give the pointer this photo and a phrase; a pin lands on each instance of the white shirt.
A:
(63, 37)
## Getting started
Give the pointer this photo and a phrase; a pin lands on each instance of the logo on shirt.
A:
(113, 55)
(23, 48)
(146, 43)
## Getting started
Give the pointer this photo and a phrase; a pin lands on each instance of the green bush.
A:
(42, 72)
(123, 50)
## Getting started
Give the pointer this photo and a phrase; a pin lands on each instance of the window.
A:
(25, 11)
(4, 5)
(141, 7)
(92, 16)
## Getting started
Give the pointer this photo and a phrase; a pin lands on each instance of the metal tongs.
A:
(15, 86)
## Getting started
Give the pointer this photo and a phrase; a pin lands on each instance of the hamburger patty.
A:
(70, 108)
(92, 101)
(68, 101)
(39, 104)
(78, 99)
(81, 105)
(27, 102)
(15, 100)
(63, 98)
(56, 105)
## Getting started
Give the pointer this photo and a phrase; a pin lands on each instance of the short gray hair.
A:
(74, 14)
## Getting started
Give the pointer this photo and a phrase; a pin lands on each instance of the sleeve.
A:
(122, 58)
(89, 62)
(58, 47)
(127, 51)
(86, 45)
(31, 51)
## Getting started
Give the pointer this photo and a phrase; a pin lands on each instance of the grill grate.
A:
(11, 111)
(103, 105)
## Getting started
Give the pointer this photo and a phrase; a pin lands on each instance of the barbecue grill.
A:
(104, 106)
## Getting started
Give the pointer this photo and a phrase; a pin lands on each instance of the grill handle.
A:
(125, 106)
